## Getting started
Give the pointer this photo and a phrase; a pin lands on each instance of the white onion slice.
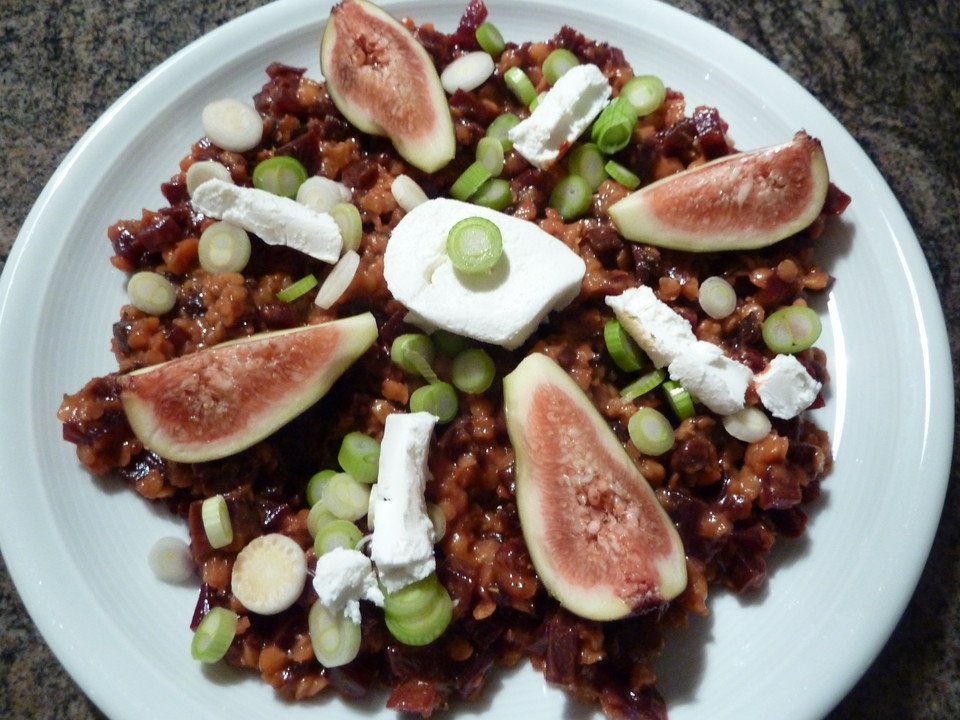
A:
(407, 192)
(204, 170)
(750, 424)
(337, 280)
(232, 125)
(321, 193)
(467, 72)
(717, 297)
(170, 560)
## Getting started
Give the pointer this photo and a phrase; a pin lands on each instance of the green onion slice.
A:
(473, 371)
(571, 197)
(438, 398)
(449, 343)
(586, 160)
(490, 153)
(622, 347)
(679, 399)
(613, 129)
(345, 498)
(350, 223)
(557, 63)
(151, 292)
(644, 384)
(315, 485)
(413, 599)
(520, 85)
(280, 175)
(495, 194)
(216, 521)
(645, 92)
(500, 128)
(419, 613)
(214, 634)
(474, 245)
(335, 638)
(359, 456)
(224, 248)
(407, 192)
(414, 352)
(470, 181)
(318, 516)
(622, 175)
(717, 297)
(650, 431)
(749, 424)
(438, 519)
(298, 289)
(337, 533)
(489, 38)
(791, 329)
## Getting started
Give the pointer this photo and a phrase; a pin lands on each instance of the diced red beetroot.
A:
(417, 697)
(711, 132)
(466, 33)
(162, 232)
(562, 650)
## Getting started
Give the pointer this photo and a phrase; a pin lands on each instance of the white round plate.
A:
(77, 546)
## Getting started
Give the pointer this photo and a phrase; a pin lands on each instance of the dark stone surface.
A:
(888, 70)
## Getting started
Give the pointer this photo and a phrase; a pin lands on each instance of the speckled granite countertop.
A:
(888, 70)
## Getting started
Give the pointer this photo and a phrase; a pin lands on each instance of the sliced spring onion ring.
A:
(350, 223)
(622, 175)
(413, 599)
(415, 353)
(359, 456)
(679, 399)
(337, 281)
(216, 521)
(345, 497)
(438, 520)
(319, 515)
(438, 398)
(586, 160)
(717, 297)
(645, 92)
(449, 343)
(613, 129)
(281, 175)
(571, 197)
(557, 63)
(490, 153)
(315, 485)
(520, 85)
(644, 384)
(500, 127)
(214, 635)
(170, 560)
(750, 424)
(335, 638)
(472, 371)
(467, 72)
(232, 125)
(474, 245)
(321, 193)
(470, 181)
(650, 431)
(791, 329)
(204, 170)
(337, 533)
(421, 628)
(298, 289)
(151, 292)
(224, 248)
(489, 38)
(407, 192)
(622, 347)
(495, 194)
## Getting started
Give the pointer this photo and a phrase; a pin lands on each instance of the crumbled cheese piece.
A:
(403, 536)
(711, 377)
(274, 219)
(343, 578)
(785, 387)
(537, 273)
(562, 115)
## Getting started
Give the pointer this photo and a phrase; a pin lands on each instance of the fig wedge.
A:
(384, 82)
(738, 202)
(223, 399)
(600, 541)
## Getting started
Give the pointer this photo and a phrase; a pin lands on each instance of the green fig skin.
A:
(742, 201)
(600, 541)
(223, 399)
(385, 83)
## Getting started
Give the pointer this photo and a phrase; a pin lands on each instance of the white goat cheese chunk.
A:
(714, 379)
(562, 115)
(343, 578)
(537, 273)
(785, 387)
(403, 536)
(274, 219)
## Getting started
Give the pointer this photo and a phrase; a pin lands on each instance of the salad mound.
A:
(417, 573)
